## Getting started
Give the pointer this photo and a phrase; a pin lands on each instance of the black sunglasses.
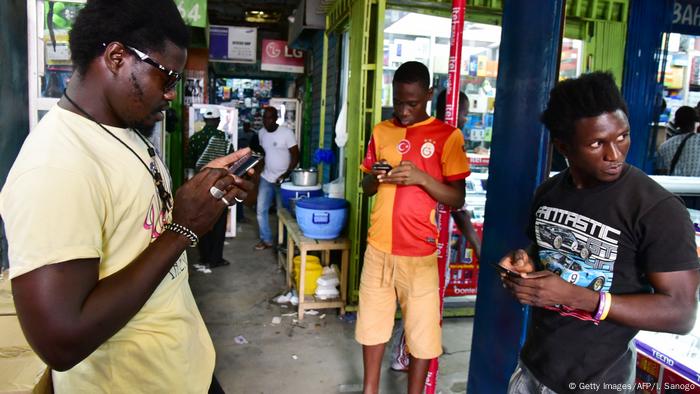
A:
(172, 76)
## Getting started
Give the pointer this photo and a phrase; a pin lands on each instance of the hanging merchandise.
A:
(336, 188)
(194, 87)
(59, 20)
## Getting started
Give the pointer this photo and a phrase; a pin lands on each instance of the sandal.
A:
(262, 246)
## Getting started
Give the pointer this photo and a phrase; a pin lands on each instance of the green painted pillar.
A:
(366, 21)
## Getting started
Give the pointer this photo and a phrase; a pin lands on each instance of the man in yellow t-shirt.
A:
(96, 241)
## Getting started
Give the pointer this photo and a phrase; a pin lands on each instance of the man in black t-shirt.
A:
(612, 252)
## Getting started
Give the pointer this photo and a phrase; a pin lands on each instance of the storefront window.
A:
(682, 73)
(57, 68)
(248, 95)
(426, 38)
(50, 66)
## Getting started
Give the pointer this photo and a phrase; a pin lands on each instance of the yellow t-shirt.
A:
(75, 192)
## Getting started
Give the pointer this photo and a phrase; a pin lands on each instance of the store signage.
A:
(277, 56)
(668, 361)
(233, 44)
(686, 17)
(194, 12)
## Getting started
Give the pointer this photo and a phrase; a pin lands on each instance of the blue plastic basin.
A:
(322, 217)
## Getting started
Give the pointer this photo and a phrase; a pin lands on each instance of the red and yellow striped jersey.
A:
(403, 219)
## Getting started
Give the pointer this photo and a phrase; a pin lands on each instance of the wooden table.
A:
(295, 238)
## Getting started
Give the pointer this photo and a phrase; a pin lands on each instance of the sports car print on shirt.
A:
(577, 271)
(581, 250)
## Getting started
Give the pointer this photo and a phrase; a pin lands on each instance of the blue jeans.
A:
(266, 192)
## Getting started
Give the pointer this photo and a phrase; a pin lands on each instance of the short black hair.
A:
(573, 99)
(685, 118)
(272, 109)
(143, 24)
(412, 72)
(441, 103)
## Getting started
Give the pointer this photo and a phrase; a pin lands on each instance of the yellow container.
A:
(313, 272)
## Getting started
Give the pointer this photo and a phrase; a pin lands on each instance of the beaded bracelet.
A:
(182, 230)
(608, 304)
(601, 306)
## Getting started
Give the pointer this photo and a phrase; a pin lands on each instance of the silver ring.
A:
(238, 200)
(216, 192)
(225, 201)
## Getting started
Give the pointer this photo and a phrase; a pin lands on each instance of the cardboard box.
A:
(20, 368)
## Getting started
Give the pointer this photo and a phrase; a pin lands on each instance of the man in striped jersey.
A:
(206, 145)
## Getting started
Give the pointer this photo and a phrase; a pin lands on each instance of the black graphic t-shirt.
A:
(605, 238)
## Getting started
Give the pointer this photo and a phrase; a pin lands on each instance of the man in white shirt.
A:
(281, 156)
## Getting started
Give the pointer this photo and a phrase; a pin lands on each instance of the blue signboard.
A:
(686, 17)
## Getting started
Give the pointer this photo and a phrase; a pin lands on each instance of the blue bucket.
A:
(288, 190)
(322, 217)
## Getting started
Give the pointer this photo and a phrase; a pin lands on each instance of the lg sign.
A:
(277, 56)
(273, 50)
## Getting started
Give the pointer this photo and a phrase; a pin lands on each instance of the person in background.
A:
(428, 166)
(611, 253)
(97, 241)
(680, 154)
(460, 216)
(400, 359)
(204, 146)
(249, 138)
(281, 156)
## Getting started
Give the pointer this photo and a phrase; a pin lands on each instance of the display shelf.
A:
(285, 258)
(684, 369)
(666, 359)
(681, 185)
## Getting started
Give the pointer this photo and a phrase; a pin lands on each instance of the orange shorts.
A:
(414, 281)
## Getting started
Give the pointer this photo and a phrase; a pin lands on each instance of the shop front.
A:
(383, 35)
(669, 363)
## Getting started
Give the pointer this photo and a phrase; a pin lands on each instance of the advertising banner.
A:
(233, 44)
(277, 56)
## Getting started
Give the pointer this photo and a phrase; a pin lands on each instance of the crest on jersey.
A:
(403, 146)
(428, 149)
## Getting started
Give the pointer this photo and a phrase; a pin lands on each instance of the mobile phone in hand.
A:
(504, 270)
(382, 167)
(241, 166)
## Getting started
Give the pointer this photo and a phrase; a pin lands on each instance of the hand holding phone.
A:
(241, 166)
(382, 166)
(503, 270)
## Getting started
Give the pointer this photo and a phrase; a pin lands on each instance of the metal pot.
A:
(305, 177)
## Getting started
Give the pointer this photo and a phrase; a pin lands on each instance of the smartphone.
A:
(241, 166)
(382, 166)
(505, 270)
